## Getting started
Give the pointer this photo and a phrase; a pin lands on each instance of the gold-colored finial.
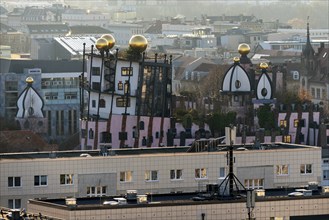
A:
(29, 80)
(244, 49)
(101, 44)
(138, 43)
(263, 66)
(110, 40)
(236, 59)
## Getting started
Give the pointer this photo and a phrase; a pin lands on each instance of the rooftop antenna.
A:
(230, 179)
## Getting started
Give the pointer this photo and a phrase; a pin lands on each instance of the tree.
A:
(266, 117)
(218, 121)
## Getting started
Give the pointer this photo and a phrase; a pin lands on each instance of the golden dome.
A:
(263, 66)
(236, 59)
(138, 43)
(244, 49)
(101, 44)
(29, 80)
(110, 40)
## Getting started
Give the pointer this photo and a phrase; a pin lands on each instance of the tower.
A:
(30, 109)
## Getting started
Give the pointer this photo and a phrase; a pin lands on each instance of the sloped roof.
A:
(60, 29)
(155, 28)
(5, 28)
(3, 10)
(21, 141)
(74, 45)
(33, 12)
(183, 63)
(47, 66)
(76, 30)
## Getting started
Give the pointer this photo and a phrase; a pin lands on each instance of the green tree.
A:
(266, 117)
(218, 121)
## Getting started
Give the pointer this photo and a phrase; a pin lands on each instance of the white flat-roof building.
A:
(151, 170)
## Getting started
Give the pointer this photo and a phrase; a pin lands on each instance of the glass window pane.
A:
(308, 168)
(172, 174)
(179, 174)
(17, 181)
(43, 180)
(10, 182)
(62, 179)
(36, 181)
(122, 176)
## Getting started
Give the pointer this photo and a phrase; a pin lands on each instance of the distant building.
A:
(74, 17)
(57, 82)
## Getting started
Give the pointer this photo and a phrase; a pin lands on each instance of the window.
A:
(93, 103)
(106, 137)
(287, 139)
(306, 169)
(120, 85)
(176, 174)
(51, 95)
(14, 203)
(318, 93)
(282, 170)
(151, 175)
(95, 71)
(41, 180)
(14, 181)
(91, 134)
(201, 173)
(326, 175)
(66, 179)
(296, 123)
(123, 136)
(313, 92)
(141, 125)
(96, 86)
(254, 183)
(126, 71)
(126, 176)
(96, 191)
(102, 103)
(222, 172)
(283, 123)
(121, 102)
(127, 87)
(70, 95)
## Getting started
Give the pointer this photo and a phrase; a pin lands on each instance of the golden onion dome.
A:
(138, 43)
(263, 66)
(244, 49)
(29, 80)
(101, 44)
(110, 40)
(236, 59)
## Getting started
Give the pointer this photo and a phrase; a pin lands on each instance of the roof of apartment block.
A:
(201, 146)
